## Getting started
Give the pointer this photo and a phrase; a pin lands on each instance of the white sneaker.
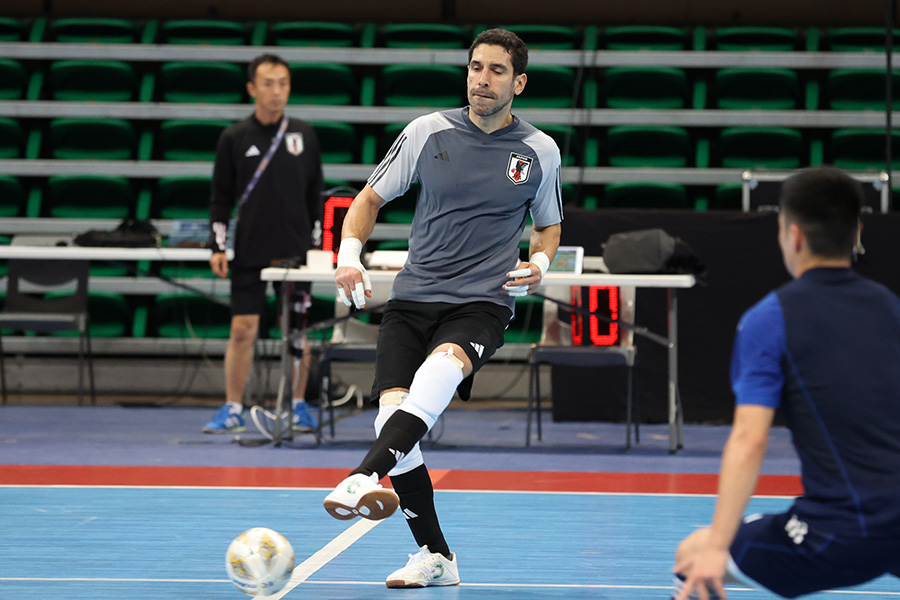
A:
(361, 496)
(425, 568)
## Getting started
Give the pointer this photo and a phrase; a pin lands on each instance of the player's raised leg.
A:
(404, 418)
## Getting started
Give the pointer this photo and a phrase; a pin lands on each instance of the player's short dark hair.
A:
(825, 203)
(513, 44)
(264, 58)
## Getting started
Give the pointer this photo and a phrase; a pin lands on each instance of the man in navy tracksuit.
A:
(825, 349)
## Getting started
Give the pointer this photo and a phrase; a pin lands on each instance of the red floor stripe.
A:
(538, 481)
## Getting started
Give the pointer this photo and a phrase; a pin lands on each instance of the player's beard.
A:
(498, 105)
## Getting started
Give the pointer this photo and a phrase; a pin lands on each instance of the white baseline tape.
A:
(332, 549)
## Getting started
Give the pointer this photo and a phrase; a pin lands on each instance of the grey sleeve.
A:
(397, 170)
(546, 209)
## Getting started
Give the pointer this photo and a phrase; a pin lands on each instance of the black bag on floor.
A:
(650, 251)
(131, 233)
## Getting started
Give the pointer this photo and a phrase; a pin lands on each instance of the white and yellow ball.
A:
(260, 561)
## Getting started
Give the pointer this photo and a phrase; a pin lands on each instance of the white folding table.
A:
(671, 283)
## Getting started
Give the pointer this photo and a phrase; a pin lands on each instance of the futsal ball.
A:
(260, 561)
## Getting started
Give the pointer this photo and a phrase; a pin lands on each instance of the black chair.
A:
(32, 312)
(555, 348)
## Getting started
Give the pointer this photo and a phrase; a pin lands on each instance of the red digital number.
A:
(328, 226)
(610, 295)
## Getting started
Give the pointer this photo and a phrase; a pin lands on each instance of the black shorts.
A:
(410, 331)
(793, 558)
(248, 291)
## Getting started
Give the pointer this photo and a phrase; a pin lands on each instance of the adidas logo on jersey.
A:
(252, 151)
(443, 155)
(478, 348)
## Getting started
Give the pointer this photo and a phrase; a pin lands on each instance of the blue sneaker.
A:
(225, 421)
(302, 419)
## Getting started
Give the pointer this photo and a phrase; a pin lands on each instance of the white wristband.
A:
(349, 256)
(541, 260)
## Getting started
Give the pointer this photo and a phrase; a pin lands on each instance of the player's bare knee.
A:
(244, 329)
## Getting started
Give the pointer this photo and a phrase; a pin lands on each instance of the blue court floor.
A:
(90, 543)
(164, 542)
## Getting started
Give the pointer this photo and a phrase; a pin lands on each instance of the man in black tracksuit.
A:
(278, 219)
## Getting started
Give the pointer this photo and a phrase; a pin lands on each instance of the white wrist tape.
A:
(541, 260)
(348, 256)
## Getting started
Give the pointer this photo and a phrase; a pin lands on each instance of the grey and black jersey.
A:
(477, 190)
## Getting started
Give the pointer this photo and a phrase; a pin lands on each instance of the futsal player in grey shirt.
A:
(482, 172)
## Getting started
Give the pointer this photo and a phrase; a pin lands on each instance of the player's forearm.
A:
(360, 219)
(545, 239)
(741, 463)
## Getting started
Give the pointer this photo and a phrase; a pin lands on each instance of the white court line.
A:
(381, 583)
(322, 489)
(321, 558)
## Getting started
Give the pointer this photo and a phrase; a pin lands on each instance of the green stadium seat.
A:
(183, 197)
(320, 33)
(338, 142)
(13, 80)
(568, 141)
(548, 37)
(857, 39)
(646, 87)
(12, 138)
(93, 139)
(423, 35)
(108, 313)
(646, 146)
(184, 270)
(12, 197)
(322, 83)
(757, 88)
(574, 194)
(190, 316)
(861, 89)
(863, 149)
(13, 30)
(438, 86)
(761, 148)
(728, 196)
(646, 195)
(747, 39)
(190, 140)
(89, 197)
(205, 32)
(202, 82)
(92, 81)
(87, 30)
(646, 37)
(549, 87)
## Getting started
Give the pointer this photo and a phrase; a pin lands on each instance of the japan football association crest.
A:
(294, 143)
(519, 168)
